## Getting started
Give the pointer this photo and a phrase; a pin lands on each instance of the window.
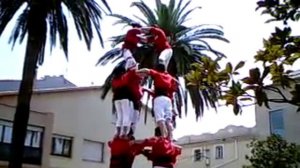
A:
(6, 131)
(219, 151)
(33, 142)
(197, 155)
(33, 137)
(92, 151)
(277, 122)
(61, 146)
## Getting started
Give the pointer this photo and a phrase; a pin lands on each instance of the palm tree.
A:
(33, 22)
(189, 46)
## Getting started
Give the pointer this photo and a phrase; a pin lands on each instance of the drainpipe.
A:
(236, 157)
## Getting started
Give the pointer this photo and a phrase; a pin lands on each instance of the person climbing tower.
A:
(121, 102)
(161, 44)
(123, 152)
(131, 40)
(164, 87)
(163, 153)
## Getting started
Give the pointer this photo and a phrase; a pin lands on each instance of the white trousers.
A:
(123, 111)
(134, 118)
(162, 106)
(165, 57)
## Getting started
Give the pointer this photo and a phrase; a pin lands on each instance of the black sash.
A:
(162, 160)
(161, 92)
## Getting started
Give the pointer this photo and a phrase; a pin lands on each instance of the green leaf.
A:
(239, 65)
(228, 67)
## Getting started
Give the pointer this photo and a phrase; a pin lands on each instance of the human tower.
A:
(127, 95)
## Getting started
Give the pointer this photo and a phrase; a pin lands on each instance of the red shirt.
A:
(160, 39)
(123, 153)
(120, 88)
(162, 148)
(119, 147)
(134, 81)
(164, 81)
(131, 39)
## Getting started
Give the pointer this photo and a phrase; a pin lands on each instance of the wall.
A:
(81, 114)
(235, 150)
(44, 120)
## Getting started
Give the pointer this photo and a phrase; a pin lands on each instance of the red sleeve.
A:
(177, 151)
(120, 82)
(131, 36)
(174, 85)
(153, 73)
(155, 31)
(137, 149)
(149, 142)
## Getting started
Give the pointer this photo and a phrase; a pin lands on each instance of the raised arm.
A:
(149, 91)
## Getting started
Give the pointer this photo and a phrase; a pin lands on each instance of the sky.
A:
(243, 26)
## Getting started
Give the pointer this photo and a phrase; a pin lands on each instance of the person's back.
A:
(131, 39)
(134, 84)
(163, 152)
(120, 87)
(164, 83)
(160, 39)
(123, 153)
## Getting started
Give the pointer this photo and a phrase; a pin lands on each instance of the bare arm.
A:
(143, 71)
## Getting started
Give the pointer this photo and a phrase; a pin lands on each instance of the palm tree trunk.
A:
(23, 107)
(35, 46)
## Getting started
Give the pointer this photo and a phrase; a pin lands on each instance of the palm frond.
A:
(8, 9)
(117, 40)
(20, 28)
(86, 14)
(122, 19)
(58, 24)
(107, 83)
(146, 11)
(108, 56)
(183, 18)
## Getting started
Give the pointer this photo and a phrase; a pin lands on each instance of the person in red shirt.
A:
(134, 86)
(163, 154)
(131, 40)
(123, 152)
(164, 88)
(121, 102)
(161, 44)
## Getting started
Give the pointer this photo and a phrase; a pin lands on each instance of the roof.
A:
(47, 82)
(228, 132)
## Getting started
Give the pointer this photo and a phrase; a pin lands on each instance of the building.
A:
(69, 127)
(225, 149)
(281, 118)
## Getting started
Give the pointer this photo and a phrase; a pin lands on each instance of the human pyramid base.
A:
(127, 95)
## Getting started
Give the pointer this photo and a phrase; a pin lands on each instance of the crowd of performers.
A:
(127, 95)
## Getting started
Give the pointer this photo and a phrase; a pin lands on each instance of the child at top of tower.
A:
(161, 43)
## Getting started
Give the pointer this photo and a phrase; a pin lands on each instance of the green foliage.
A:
(280, 50)
(274, 152)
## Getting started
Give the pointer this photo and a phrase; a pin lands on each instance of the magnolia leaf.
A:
(236, 108)
(254, 74)
(248, 80)
(228, 67)
(239, 65)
